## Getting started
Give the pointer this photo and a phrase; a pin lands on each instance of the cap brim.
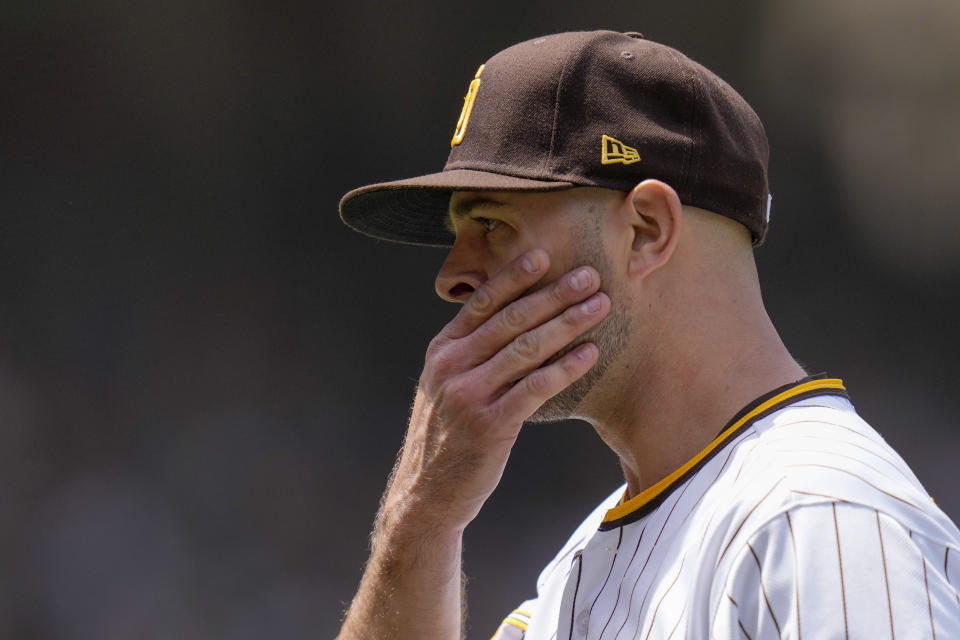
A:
(414, 210)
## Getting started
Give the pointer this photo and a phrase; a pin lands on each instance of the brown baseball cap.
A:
(598, 108)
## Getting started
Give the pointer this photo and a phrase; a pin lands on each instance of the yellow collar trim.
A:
(644, 497)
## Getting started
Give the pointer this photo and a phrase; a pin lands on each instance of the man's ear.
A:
(656, 219)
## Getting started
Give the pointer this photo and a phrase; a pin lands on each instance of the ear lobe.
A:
(656, 219)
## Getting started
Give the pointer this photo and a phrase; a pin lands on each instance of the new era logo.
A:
(613, 151)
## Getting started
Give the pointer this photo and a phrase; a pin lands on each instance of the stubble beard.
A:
(610, 335)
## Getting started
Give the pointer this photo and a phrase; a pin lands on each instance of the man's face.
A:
(494, 228)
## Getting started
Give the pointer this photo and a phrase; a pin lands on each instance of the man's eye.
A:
(487, 223)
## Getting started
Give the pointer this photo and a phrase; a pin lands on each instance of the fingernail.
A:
(583, 352)
(592, 305)
(580, 280)
(530, 265)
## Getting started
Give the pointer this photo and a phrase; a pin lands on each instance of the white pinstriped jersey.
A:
(798, 521)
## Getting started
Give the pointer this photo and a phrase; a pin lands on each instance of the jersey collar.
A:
(646, 501)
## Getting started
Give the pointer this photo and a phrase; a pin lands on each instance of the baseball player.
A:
(602, 198)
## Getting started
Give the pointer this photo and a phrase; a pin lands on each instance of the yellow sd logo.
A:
(467, 108)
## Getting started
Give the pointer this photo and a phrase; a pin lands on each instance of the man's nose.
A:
(460, 274)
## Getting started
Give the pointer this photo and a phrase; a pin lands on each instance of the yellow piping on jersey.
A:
(514, 621)
(638, 501)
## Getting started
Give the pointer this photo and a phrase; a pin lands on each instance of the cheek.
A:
(555, 272)
(503, 248)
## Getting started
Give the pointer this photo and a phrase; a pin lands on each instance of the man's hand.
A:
(482, 378)
(484, 374)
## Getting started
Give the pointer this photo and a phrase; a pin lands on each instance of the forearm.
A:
(412, 586)
(469, 407)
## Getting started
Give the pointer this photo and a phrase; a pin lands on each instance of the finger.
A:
(518, 276)
(529, 312)
(529, 393)
(532, 348)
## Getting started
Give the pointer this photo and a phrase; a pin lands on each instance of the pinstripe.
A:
(723, 467)
(926, 585)
(858, 477)
(572, 550)
(878, 457)
(609, 573)
(819, 495)
(706, 529)
(753, 431)
(749, 513)
(867, 465)
(630, 600)
(743, 629)
(946, 574)
(886, 578)
(620, 585)
(843, 592)
(842, 426)
(645, 562)
(713, 623)
(733, 447)
(576, 590)
(796, 571)
(733, 444)
(656, 609)
(677, 624)
(872, 453)
(857, 433)
(764, 591)
(689, 511)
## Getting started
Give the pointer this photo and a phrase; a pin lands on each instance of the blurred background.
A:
(204, 376)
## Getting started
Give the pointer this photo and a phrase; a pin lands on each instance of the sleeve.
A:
(514, 626)
(839, 570)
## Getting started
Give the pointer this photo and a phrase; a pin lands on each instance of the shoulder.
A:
(826, 522)
(817, 452)
(821, 451)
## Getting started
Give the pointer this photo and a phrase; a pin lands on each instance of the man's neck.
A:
(669, 405)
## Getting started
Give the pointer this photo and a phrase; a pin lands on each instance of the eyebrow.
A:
(465, 208)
